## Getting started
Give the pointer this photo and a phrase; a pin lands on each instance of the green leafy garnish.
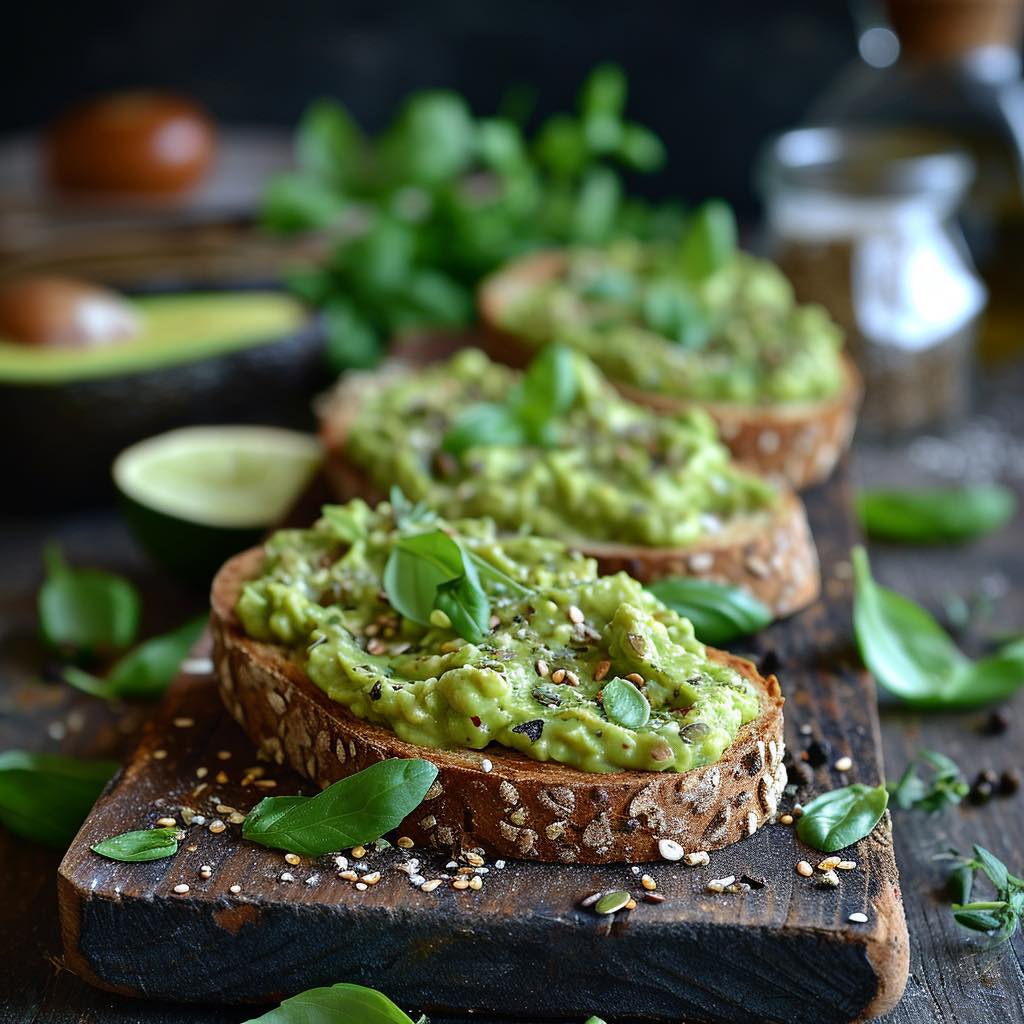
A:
(719, 612)
(842, 817)
(999, 917)
(709, 241)
(358, 809)
(624, 704)
(337, 1004)
(528, 416)
(46, 797)
(673, 312)
(145, 672)
(421, 213)
(945, 787)
(86, 611)
(935, 516)
(913, 658)
(407, 514)
(134, 847)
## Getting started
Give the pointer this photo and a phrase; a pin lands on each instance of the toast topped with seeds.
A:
(655, 495)
(572, 717)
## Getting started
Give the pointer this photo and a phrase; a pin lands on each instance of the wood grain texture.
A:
(783, 953)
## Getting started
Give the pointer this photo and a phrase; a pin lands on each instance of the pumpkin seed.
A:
(610, 902)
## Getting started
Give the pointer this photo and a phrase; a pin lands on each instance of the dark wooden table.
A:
(953, 978)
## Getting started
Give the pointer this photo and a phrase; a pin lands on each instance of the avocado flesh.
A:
(176, 329)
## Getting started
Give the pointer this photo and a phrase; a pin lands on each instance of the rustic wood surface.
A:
(952, 977)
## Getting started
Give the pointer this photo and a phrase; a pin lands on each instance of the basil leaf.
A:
(466, 605)
(328, 143)
(673, 313)
(46, 797)
(604, 91)
(549, 386)
(719, 612)
(355, 810)
(337, 1004)
(485, 424)
(624, 704)
(494, 574)
(147, 671)
(416, 567)
(85, 611)
(133, 847)
(976, 920)
(842, 817)
(408, 515)
(935, 516)
(996, 870)
(912, 657)
(347, 522)
(710, 240)
(960, 882)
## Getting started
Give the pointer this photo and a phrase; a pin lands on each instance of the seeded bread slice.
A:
(769, 553)
(496, 798)
(799, 442)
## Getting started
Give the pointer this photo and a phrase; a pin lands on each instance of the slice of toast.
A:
(498, 799)
(769, 553)
(799, 442)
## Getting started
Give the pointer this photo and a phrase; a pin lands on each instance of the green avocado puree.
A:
(737, 335)
(320, 594)
(616, 471)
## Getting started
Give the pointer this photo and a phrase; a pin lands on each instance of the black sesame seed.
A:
(819, 752)
(1009, 782)
(769, 664)
(531, 729)
(375, 692)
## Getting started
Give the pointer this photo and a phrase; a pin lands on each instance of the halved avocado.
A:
(200, 357)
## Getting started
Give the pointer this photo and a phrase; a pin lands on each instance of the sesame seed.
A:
(166, 822)
(222, 778)
(235, 889)
(286, 876)
(699, 857)
(670, 849)
(798, 810)
(805, 869)
(830, 880)
(159, 755)
(341, 862)
(541, 667)
(293, 858)
(416, 879)
(313, 879)
(499, 864)
(266, 783)
(460, 883)
(589, 901)
(601, 670)
(223, 755)
(635, 678)
(362, 886)
(348, 875)
(829, 863)
(371, 878)
(786, 819)
(405, 843)
(205, 871)
(217, 826)
(575, 614)
(486, 764)
(720, 884)
(197, 819)
(431, 885)
(847, 865)
(844, 764)
(358, 851)
(571, 678)
(558, 675)
(654, 897)
(630, 904)
(236, 817)
(475, 859)
(181, 888)
(648, 883)
(183, 723)
(858, 918)
(201, 773)
(224, 808)
(476, 883)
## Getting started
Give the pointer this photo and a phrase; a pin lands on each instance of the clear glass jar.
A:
(862, 221)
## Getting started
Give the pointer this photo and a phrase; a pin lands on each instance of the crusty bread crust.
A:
(496, 798)
(799, 442)
(771, 554)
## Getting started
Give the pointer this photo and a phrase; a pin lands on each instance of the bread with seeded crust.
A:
(496, 798)
(799, 442)
(770, 553)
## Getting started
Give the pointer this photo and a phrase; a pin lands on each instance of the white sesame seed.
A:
(341, 862)
(183, 723)
(166, 822)
(293, 858)
(416, 879)
(197, 666)
(670, 849)
(286, 876)
(313, 879)
(847, 865)
(205, 871)
(805, 869)
(720, 884)
(474, 859)
(181, 888)
(235, 889)
(476, 883)
(216, 826)
(576, 615)
(404, 842)
(486, 764)
(829, 863)
(362, 886)
(499, 864)
(844, 764)
(159, 755)
(699, 857)
(371, 878)
(431, 885)
(858, 918)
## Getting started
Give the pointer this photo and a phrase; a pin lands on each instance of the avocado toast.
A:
(770, 372)
(654, 494)
(572, 718)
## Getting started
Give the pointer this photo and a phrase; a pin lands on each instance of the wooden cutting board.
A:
(521, 947)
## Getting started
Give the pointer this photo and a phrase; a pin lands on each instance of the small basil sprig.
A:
(913, 658)
(46, 797)
(998, 918)
(408, 514)
(624, 704)
(719, 612)
(86, 611)
(135, 847)
(709, 240)
(337, 1004)
(935, 516)
(945, 787)
(842, 817)
(355, 810)
(670, 310)
(547, 391)
(147, 671)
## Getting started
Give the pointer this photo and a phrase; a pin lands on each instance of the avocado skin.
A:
(60, 439)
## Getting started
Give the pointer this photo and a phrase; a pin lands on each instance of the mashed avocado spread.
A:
(737, 335)
(608, 469)
(557, 643)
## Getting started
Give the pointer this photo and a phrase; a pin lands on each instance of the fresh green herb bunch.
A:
(420, 213)
(946, 786)
(999, 917)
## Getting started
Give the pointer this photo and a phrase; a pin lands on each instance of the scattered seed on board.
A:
(654, 897)
(404, 842)
(202, 772)
(293, 858)
(474, 858)
(805, 869)
(461, 883)
(486, 764)
(720, 884)
(358, 851)
(166, 822)
(844, 764)
(699, 857)
(236, 817)
(601, 670)
(184, 723)
(611, 902)
(159, 755)
(362, 886)
(476, 883)
(223, 755)
(216, 826)
(630, 904)
(829, 863)
(286, 876)
(371, 878)
(576, 615)
(589, 901)
(224, 808)
(558, 675)
(431, 885)
(348, 875)
(830, 880)
(181, 888)
(236, 889)
(786, 819)
(205, 871)
(847, 865)
(670, 849)
(648, 883)
(541, 667)
(858, 918)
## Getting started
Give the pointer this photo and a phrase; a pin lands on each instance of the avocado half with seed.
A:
(200, 357)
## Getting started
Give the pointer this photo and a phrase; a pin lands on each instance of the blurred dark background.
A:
(714, 80)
